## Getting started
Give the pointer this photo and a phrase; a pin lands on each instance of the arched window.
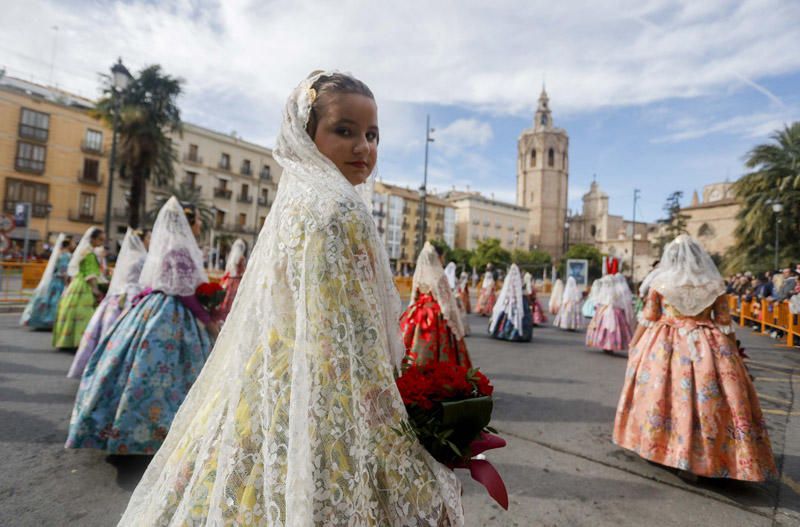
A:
(705, 230)
(531, 196)
(593, 230)
(533, 157)
(551, 158)
(564, 161)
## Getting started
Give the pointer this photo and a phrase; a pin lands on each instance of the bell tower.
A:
(542, 179)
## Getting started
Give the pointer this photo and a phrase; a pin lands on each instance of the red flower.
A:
(208, 289)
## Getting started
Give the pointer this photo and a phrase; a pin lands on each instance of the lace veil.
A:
(174, 264)
(430, 278)
(293, 420)
(687, 277)
(236, 254)
(81, 251)
(129, 264)
(556, 294)
(488, 280)
(571, 292)
(47, 276)
(510, 300)
(450, 273)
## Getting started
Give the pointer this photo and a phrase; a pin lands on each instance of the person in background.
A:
(234, 270)
(40, 312)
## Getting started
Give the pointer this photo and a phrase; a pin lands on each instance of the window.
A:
(531, 196)
(191, 178)
(223, 184)
(543, 120)
(246, 167)
(551, 158)
(30, 157)
(86, 205)
(220, 219)
(34, 125)
(593, 230)
(263, 219)
(564, 161)
(93, 142)
(533, 157)
(194, 154)
(265, 173)
(91, 171)
(264, 194)
(705, 230)
(242, 219)
(245, 191)
(225, 161)
(18, 190)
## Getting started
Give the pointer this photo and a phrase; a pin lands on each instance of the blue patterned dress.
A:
(138, 376)
(40, 313)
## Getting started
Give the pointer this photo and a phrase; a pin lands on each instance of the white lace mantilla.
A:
(294, 420)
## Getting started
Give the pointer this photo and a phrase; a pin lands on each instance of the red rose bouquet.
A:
(449, 408)
(210, 295)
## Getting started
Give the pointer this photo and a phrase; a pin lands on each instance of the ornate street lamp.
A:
(777, 208)
(120, 79)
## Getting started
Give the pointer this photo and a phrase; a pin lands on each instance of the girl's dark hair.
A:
(191, 212)
(335, 83)
(96, 233)
(65, 243)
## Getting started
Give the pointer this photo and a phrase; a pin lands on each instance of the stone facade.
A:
(543, 179)
(480, 218)
(398, 216)
(712, 221)
(53, 154)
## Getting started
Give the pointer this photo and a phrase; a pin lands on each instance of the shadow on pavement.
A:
(527, 408)
(130, 469)
(28, 428)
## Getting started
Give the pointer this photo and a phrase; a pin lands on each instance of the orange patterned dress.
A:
(427, 337)
(688, 401)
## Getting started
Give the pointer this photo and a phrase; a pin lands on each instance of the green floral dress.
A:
(76, 306)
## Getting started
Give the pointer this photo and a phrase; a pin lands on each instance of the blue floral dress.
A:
(138, 376)
(40, 313)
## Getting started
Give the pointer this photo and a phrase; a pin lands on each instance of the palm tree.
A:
(774, 178)
(185, 194)
(147, 113)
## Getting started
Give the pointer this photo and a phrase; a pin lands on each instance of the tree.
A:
(489, 252)
(531, 261)
(148, 111)
(185, 194)
(774, 178)
(675, 222)
(582, 251)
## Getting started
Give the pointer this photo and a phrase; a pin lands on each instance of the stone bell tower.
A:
(543, 178)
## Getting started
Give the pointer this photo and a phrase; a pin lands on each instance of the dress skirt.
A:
(486, 300)
(504, 330)
(99, 325)
(75, 310)
(41, 310)
(569, 316)
(138, 376)
(427, 337)
(609, 329)
(688, 403)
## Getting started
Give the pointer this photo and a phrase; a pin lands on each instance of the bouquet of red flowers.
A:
(449, 408)
(210, 295)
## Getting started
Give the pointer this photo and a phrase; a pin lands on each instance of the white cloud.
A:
(752, 126)
(462, 135)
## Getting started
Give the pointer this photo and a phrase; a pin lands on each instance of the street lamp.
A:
(777, 208)
(424, 188)
(566, 237)
(120, 78)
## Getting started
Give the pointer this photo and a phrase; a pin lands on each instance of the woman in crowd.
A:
(554, 303)
(463, 293)
(432, 326)
(688, 401)
(234, 269)
(610, 327)
(81, 297)
(486, 296)
(539, 316)
(40, 312)
(294, 420)
(122, 290)
(512, 318)
(142, 369)
(569, 310)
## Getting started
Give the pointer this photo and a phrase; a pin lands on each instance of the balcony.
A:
(35, 133)
(265, 174)
(246, 170)
(486, 223)
(223, 193)
(244, 199)
(476, 222)
(89, 179)
(24, 164)
(83, 216)
(92, 148)
(263, 202)
(192, 159)
(39, 210)
(191, 187)
(224, 165)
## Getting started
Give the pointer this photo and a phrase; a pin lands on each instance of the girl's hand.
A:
(213, 328)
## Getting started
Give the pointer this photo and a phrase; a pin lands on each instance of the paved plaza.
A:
(555, 403)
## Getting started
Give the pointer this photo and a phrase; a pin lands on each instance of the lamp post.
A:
(48, 209)
(120, 78)
(636, 193)
(777, 208)
(424, 188)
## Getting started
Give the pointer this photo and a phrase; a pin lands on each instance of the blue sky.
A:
(660, 95)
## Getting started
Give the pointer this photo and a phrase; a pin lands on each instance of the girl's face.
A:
(146, 241)
(99, 240)
(347, 134)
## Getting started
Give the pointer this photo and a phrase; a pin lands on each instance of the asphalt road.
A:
(555, 403)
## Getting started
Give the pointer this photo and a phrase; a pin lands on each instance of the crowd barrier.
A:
(768, 315)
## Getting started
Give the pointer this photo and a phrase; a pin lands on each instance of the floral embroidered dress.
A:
(432, 327)
(486, 297)
(295, 419)
(143, 368)
(512, 318)
(77, 304)
(570, 316)
(539, 316)
(122, 290)
(688, 401)
(609, 329)
(41, 310)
